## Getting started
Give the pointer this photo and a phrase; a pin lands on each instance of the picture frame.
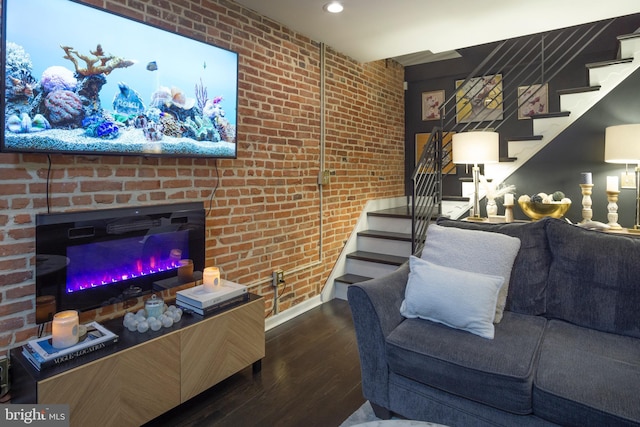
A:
(448, 167)
(433, 105)
(475, 95)
(533, 99)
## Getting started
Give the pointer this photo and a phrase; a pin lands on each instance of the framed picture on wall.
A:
(479, 100)
(447, 164)
(533, 99)
(432, 105)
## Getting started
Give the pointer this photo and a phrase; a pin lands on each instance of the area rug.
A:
(365, 414)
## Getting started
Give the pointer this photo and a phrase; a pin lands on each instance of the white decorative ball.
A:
(143, 326)
(155, 325)
(175, 316)
(167, 321)
(133, 325)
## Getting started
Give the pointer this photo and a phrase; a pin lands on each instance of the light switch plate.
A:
(627, 180)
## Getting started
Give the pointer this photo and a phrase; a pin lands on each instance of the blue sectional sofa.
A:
(566, 352)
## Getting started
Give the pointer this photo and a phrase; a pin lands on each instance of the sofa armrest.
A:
(375, 307)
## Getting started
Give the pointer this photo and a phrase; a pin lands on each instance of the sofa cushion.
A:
(587, 377)
(455, 298)
(496, 372)
(526, 292)
(474, 251)
(594, 279)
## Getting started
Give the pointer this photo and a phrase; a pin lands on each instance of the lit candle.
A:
(612, 183)
(211, 278)
(586, 178)
(508, 199)
(64, 329)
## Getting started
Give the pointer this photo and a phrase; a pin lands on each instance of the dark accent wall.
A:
(558, 166)
(580, 148)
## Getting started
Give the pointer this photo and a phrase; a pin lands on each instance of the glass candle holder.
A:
(185, 270)
(64, 329)
(211, 278)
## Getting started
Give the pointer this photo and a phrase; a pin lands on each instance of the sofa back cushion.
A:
(474, 251)
(528, 279)
(594, 280)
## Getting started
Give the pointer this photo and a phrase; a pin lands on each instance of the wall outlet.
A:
(278, 278)
(4, 375)
(627, 180)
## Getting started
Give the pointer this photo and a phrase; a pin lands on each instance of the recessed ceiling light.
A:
(333, 7)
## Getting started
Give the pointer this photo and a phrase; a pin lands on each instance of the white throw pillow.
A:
(455, 298)
(476, 251)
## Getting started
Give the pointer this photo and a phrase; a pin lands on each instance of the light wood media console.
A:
(145, 375)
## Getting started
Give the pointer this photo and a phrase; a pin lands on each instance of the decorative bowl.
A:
(537, 210)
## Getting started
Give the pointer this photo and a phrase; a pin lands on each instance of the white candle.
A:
(586, 178)
(211, 278)
(612, 183)
(508, 199)
(64, 329)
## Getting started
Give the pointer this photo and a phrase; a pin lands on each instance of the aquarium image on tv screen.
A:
(78, 79)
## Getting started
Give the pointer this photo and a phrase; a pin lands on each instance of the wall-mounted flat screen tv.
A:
(78, 79)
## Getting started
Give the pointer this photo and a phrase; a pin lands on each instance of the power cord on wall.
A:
(276, 299)
(215, 164)
(47, 184)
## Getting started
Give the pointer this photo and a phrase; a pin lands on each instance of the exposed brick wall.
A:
(266, 212)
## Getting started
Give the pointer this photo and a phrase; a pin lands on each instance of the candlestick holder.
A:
(612, 208)
(587, 213)
(508, 212)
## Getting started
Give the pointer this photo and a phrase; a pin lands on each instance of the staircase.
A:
(381, 248)
(391, 234)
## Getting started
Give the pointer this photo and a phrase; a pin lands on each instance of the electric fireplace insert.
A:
(89, 259)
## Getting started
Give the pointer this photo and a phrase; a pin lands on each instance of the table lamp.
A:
(474, 148)
(622, 145)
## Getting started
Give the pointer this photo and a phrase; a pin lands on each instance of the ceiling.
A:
(411, 31)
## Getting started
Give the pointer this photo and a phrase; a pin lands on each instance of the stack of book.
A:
(42, 354)
(202, 301)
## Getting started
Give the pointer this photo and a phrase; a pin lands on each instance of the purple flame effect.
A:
(103, 278)
(106, 262)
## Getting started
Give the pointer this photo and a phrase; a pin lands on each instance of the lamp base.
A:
(477, 218)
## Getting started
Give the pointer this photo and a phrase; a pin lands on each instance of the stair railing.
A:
(522, 60)
(426, 180)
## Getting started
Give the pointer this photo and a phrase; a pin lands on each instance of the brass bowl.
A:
(536, 211)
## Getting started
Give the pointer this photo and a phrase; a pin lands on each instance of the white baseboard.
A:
(294, 311)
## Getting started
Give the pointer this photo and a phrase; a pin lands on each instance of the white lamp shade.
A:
(476, 147)
(622, 144)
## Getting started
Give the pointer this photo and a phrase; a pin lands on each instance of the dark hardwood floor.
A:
(310, 377)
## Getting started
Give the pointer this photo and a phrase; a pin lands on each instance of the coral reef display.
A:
(97, 62)
(64, 107)
(58, 78)
(202, 129)
(23, 86)
(75, 105)
(24, 123)
(128, 101)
